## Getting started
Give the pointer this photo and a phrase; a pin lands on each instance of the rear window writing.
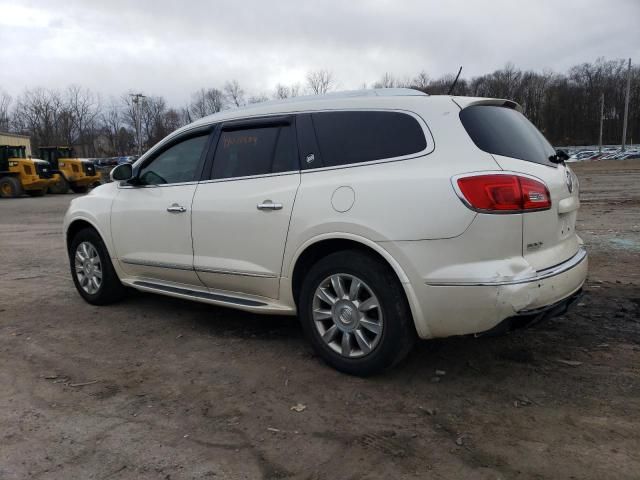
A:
(255, 151)
(504, 131)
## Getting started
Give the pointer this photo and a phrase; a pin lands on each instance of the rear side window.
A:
(354, 137)
(504, 131)
(255, 151)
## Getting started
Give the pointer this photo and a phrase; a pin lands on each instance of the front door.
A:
(241, 214)
(151, 219)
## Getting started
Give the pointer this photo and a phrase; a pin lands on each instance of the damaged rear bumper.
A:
(528, 318)
(475, 307)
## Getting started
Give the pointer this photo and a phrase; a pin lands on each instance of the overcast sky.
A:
(172, 48)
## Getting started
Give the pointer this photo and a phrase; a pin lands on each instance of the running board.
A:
(197, 294)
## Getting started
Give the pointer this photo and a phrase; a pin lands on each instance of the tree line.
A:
(564, 106)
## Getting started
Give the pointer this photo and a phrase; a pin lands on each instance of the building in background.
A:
(14, 139)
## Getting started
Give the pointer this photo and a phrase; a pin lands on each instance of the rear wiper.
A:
(559, 157)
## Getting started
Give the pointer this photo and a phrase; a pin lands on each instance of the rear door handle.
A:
(269, 205)
(175, 208)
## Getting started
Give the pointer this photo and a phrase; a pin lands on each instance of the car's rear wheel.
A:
(355, 313)
(92, 270)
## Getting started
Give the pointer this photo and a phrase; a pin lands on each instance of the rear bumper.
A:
(472, 307)
(527, 318)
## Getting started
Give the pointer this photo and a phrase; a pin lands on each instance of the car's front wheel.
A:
(355, 313)
(92, 270)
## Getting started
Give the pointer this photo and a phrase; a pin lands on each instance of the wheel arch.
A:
(315, 248)
(78, 224)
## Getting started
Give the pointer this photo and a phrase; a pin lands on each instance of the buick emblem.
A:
(569, 180)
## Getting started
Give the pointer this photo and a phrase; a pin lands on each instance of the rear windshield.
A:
(504, 131)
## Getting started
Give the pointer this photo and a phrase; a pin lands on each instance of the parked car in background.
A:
(128, 159)
(107, 161)
(376, 216)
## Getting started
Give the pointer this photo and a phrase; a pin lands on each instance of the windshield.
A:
(17, 152)
(504, 131)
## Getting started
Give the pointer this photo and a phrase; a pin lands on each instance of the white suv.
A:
(376, 216)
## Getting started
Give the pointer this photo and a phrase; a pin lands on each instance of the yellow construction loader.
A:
(69, 172)
(19, 174)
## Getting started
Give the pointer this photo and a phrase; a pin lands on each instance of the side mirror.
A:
(562, 155)
(122, 172)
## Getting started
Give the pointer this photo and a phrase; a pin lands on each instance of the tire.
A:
(79, 189)
(109, 290)
(391, 318)
(61, 186)
(37, 193)
(10, 187)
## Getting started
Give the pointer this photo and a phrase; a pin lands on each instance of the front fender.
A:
(94, 209)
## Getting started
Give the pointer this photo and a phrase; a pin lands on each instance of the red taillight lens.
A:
(504, 193)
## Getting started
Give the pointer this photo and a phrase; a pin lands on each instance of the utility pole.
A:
(626, 109)
(137, 99)
(601, 122)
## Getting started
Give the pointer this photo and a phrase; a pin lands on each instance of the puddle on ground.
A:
(625, 243)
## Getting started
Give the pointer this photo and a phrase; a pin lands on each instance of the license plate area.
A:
(566, 225)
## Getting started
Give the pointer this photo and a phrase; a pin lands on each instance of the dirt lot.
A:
(161, 388)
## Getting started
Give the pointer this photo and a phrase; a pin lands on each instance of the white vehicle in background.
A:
(585, 155)
(377, 217)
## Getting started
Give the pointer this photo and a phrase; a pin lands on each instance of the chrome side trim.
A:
(540, 275)
(175, 266)
(198, 294)
(148, 263)
(233, 272)
(123, 185)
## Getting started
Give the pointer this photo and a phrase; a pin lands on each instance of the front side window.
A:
(255, 151)
(354, 137)
(179, 163)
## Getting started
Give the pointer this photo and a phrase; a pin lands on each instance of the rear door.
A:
(548, 237)
(241, 214)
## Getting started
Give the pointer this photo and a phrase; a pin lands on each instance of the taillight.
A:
(504, 193)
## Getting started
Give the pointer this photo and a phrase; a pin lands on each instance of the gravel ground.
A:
(156, 387)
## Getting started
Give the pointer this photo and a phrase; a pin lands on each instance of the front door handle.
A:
(175, 208)
(269, 205)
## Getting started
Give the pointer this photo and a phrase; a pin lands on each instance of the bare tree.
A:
(5, 103)
(153, 128)
(387, 81)
(283, 91)
(37, 113)
(259, 98)
(320, 82)
(421, 81)
(206, 102)
(112, 122)
(81, 109)
(234, 94)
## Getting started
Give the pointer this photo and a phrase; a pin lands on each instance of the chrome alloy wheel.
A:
(88, 268)
(347, 315)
